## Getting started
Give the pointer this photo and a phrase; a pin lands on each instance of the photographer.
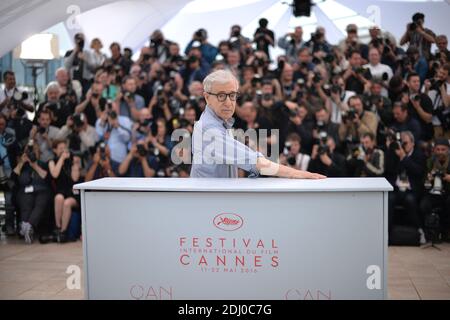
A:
(336, 98)
(420, 106)
(44, 134)
(13, 98)
(160, 145)
(438, 90)
(317, 44)
(7, 143)
(442, 53)
(70, 90)
(233, 62)
(356, 76)
(302, 124)
(419, 36)
(403, 122)
(323, 124)
(357, 121)
(366, 160)
(292, 156)
(377, 103)
(377, 69)
(32, 189)
(59, 108)
(138, 162)
(292, 43)
(192, 71)
(100, 167)
(94, 104)
(159, 46)
(119, 61)
(209, 52)
(129, 102)
(325, 160)
(437, 183)
(236, 40)
(115, 130)
(404, 168)
(143, 127)
(164, 101)
(414, 63)
(263, 37)
(352, 42)
(80, 135)
(65, 171)
(80, 63)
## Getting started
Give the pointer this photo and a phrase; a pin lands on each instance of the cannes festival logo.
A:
(228, 221)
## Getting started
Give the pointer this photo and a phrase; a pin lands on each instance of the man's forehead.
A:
(231, 85)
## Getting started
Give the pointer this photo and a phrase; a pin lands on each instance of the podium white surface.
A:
(264, 238)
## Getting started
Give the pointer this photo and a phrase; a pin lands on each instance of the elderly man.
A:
(223, 158)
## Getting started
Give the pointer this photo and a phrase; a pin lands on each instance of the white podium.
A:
(264, 238)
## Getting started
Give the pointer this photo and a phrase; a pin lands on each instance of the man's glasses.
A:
(221, 97)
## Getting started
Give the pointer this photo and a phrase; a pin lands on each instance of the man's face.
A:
(304, 56)
(399, 114)
(174, 50)
(2, 125)
(441, 152)
(298, 32)
(288, 73)
(233, 58)
(414, 84)
(97, 88)
(374, 56)
(442, 74)
(53, 95)
(441, 43)
(10, 81)
(62, 77)
(355, 60)
(357, 105)
(130, 85)
(115, 52)
(376, 89)
(407, 144)
(44, 120)
(225, 109)
(190, 115)
(295, 147)
(322, 116)
(367, 143)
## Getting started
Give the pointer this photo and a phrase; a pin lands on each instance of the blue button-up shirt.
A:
(216, 154)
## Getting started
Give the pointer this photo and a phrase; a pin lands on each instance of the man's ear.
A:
(205, 95)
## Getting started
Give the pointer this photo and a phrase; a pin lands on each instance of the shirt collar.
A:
(228, 124)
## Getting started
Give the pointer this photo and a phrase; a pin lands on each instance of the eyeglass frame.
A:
(227, 95)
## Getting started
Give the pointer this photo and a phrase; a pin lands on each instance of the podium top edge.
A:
(236, 185)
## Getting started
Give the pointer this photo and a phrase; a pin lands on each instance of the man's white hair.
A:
(53, 85)
(219, 77)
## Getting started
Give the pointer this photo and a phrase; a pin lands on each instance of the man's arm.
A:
(269, 168)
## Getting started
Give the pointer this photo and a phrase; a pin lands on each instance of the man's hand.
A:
(400, 153)
(326, 160)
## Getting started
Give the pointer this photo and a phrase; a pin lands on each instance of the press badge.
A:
(29, 189)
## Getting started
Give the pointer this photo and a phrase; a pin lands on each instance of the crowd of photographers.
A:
(352, 109)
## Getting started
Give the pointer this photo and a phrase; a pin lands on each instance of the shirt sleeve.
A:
(220, 147)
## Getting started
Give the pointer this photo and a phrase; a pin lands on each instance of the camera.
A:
(112, 114)
(141, 150)
(102, 147)
(29, 151)
(416, 98)
(336, 89)
(436, 84)
(317, 77)
(396, 140)
(256, 79)
(349, 115)
(78, 120)
(323, 147)
(436, 188)
(412, 26)
(42, 130)
(129, 95)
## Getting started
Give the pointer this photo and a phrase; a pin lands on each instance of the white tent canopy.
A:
(131, 22)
